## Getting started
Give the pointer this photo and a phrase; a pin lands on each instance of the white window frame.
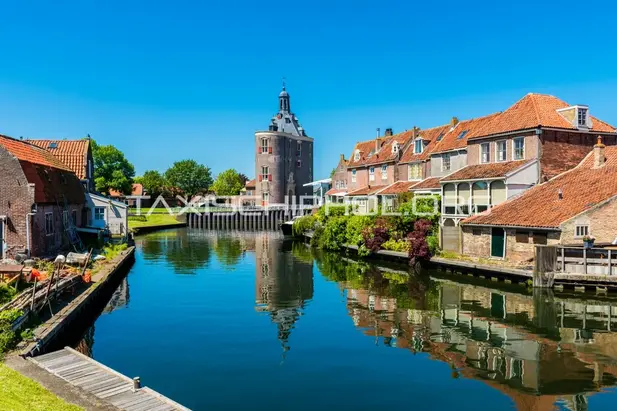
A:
(514, 140)
(411, 177)
(371, 174)
(505, 153)
(488, 153)
(395, 147)
(265, 197)
(415, 146)
(95, 213)
(584, 113)
(356, 155)
(264, 146)
(353, 176)
(384, 172)
(581, 230)
(49, 223)
(265, 172)
(443, 163)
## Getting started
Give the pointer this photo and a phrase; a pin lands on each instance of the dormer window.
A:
(582, 117)
(356, 155)
(395, 148)
(418, 146)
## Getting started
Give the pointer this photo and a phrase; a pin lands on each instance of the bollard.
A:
(136, 383)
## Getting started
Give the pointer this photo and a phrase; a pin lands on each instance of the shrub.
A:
(396, 245)
(375, 236)
(303, 224)
(317, 234)
(334, 233)
(355, 225)
(332, 211)
(6, 294)
(8, 338)
(112, 250)
(418, 247)
(433, 244)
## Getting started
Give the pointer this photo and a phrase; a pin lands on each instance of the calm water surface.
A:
(248, 321)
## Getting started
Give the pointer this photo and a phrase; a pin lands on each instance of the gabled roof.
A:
(397, 188)
(24, 151)
(486, 171)
(73, 153)
(457, 136)
(251, 184)
(366, 191)
(431, 135)
(369, 155)
(431, 183)
(582, 188)
(137, 190)
(335, 191)
(533, 111)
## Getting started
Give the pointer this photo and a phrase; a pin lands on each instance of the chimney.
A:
(342, 158)
(599, 159)
(414, 132)
(388, 132)
(454, 121)
(378, 132)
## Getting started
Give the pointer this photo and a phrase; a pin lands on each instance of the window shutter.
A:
(260, 177)
(269, 150)
(269, 177)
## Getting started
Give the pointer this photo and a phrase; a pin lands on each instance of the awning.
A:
(318, 182)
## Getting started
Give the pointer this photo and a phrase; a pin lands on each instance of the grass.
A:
(18, 393)
(151, 220)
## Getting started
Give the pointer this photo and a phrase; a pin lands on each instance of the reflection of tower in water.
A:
(120, 297)
(282, 284)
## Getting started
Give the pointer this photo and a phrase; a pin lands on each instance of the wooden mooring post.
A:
(544, 267)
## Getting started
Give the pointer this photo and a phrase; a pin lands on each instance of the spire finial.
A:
(283, 82)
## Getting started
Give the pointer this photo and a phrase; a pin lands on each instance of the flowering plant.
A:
(589, 238)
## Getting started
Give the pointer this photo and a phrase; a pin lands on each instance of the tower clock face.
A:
(279, 116)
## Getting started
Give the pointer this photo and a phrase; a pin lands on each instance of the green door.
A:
(497, 242)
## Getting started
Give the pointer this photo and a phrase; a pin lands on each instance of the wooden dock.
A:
(103, 382)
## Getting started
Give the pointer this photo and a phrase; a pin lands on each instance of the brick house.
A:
(39, 198)
(75, 154)
(339, 182)
(507, 153)
(562, 210)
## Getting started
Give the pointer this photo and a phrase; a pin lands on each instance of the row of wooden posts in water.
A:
(255, 220)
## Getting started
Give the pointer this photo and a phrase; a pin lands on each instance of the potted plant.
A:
(589, 240)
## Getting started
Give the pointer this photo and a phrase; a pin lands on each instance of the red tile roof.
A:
(251, 184)
(137, 190)
(366, 191)
(431, 183)
(334, 191)
(582, 188)
(431, 135)
(397, 188)
(491, 170)
(25, 151)
(378, 150)
(452, 140)
(73, 153)
(536, 110)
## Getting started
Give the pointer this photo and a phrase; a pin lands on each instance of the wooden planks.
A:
(103, 382)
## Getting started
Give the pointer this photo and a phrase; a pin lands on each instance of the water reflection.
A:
(537, 349)
(282, 283)
(187, 251)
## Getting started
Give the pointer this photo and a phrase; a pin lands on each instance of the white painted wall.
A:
(115, 214)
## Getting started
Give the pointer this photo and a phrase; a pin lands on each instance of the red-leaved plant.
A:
(418, 247)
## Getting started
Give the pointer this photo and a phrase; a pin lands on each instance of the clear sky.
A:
(165, 81)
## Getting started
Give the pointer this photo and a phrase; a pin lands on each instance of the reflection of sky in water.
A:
(252, 322)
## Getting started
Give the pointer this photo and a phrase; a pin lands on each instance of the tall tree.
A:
(228, 183)
(244, 178)
(153, 182)
(112, 171)
(189, 176)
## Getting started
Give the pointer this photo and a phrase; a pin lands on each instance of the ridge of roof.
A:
(25, 151)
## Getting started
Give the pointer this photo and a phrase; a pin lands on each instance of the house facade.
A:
(105, 213)
(579, 202)
(41, 200)
(283, 158)
(75, 154)
(509, 152)
(339, 182)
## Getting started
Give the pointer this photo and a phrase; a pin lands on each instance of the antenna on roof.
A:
(88, 136)
(378, 132)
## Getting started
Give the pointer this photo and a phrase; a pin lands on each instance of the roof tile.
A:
(24, 151)
(73, 153)
(491, 170)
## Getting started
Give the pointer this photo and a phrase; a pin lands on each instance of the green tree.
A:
(112, 171)
(228, 183)
(154, 183)
(189, 176)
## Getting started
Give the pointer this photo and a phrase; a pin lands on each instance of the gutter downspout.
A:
(3, 236)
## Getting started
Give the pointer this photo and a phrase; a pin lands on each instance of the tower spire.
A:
(284, 105)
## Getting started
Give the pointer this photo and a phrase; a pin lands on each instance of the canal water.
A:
(237, 321)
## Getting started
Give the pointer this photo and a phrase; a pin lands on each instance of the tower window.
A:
(298, 163)
(264, 172)
(299, 146)
(264, 145)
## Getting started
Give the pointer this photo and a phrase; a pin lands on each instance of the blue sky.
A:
(164, 81)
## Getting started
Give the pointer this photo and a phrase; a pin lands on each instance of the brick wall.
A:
(602, 222)
(361, 178)
(531, 148)
(16, 199)
(479, 244)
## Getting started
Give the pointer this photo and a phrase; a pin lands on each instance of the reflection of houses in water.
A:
(499, 338)
(120, 297)
(282, 283)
